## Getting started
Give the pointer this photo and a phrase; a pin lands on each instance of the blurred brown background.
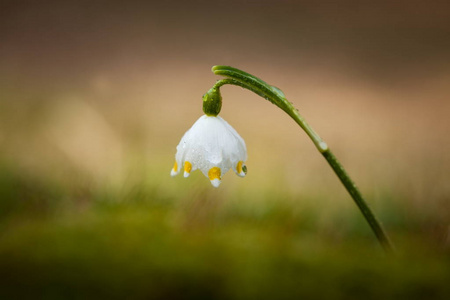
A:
(105, 88)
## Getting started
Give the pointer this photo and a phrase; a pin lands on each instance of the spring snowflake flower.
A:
(212, 146)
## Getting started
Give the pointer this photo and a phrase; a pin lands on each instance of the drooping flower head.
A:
(211, 145)
(214, 147)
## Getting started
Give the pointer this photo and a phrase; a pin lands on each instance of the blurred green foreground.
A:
(63, 240)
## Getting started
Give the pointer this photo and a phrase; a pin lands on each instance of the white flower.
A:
(212, 146)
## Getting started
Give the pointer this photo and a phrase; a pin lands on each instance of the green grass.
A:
(63, 239)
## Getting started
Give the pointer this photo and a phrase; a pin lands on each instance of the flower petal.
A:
(174, 170)
(214, 175)
(239, 169)
(187, 168)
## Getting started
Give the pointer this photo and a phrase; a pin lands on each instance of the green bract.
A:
(212, 102)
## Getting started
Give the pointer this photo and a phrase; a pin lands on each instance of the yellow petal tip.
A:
(240, 169)
(187, 168)
(174, 170)
(214, 175)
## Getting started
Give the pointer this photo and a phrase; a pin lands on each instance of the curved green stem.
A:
(276, 96)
